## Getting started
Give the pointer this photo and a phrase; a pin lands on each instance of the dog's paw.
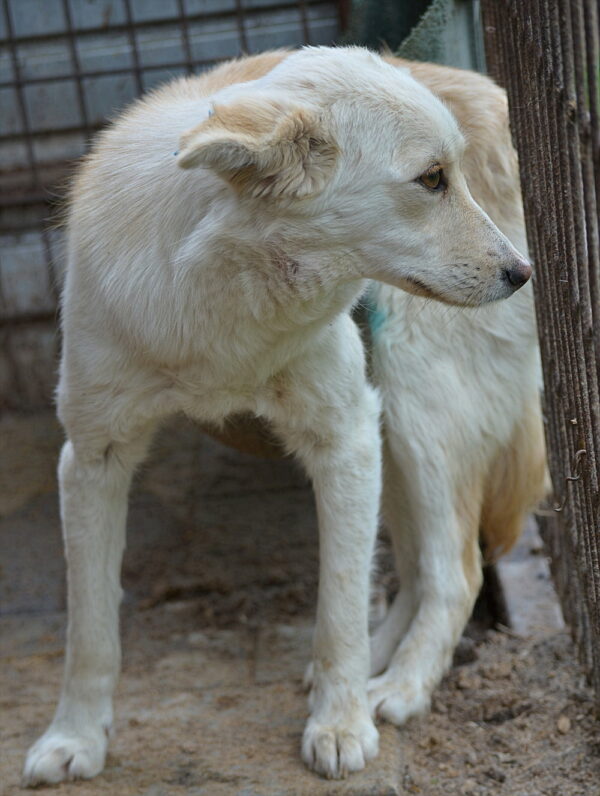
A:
(396, 699)
(60, 755)
(336, 749)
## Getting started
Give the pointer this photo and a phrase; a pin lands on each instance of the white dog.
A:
(220, 281)
(464, 453)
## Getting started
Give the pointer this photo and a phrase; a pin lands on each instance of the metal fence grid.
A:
(66, 66)
(546, 53)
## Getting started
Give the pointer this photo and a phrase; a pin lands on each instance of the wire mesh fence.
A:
(66, 66)
(546, 54)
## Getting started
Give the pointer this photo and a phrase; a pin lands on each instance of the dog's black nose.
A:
(517, 275)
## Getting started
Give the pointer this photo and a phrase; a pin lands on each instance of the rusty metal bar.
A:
(239, 15)
(304, 21)
(76, 74)
(344, 12)
(185, 36)
(130, 30)
(18, 85)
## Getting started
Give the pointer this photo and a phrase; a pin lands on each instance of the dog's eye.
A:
(433, 179)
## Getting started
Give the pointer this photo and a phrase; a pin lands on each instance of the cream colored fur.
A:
(464, 453)
(220, 280)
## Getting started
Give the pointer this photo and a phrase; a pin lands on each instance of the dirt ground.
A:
(220, 580)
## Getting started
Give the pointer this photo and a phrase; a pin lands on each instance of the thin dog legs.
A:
(335, 432)
(439, 545)
(94, 507)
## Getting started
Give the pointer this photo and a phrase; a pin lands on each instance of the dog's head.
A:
(355, 162)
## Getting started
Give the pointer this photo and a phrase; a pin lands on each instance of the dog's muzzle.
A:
(518, 274)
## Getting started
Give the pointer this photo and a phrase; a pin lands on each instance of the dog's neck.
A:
(272, 274)
(233, 299)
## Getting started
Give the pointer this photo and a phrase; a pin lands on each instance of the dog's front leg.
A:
(93, 489)
(340, 735)
(333, 426)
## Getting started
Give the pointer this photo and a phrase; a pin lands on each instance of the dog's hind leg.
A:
(446, 579)
(94, 475)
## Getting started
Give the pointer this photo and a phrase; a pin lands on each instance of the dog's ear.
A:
(263, 148)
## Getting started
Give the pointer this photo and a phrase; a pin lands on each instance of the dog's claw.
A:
(334, 751)
(59, 756)
(396, 702)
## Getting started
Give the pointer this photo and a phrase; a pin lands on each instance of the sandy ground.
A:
(220, 579)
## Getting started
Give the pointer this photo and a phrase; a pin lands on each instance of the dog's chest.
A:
(237, 332)
(236, 372)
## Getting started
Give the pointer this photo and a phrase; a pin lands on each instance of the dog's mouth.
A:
(418, 288)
